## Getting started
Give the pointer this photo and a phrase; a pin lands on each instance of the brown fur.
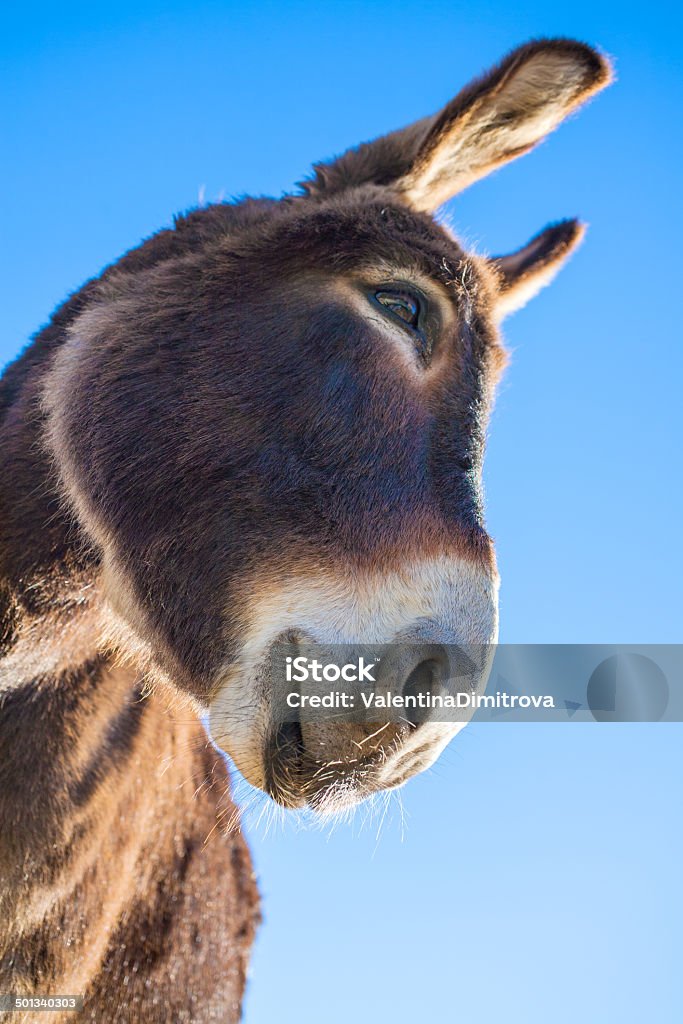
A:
(108, 878)
(216, 402)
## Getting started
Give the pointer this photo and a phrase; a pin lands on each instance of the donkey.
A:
(267, 421)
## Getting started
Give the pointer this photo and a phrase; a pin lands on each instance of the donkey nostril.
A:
(423, 680)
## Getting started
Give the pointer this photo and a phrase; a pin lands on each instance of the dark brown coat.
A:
(217, 401)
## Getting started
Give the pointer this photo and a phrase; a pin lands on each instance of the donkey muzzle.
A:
(348, 721)
(314, 717)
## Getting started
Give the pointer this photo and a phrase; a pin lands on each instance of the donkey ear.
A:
(495, 119)
(501, 116)
(523, 273)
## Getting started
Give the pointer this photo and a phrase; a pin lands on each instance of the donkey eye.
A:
(402, 305)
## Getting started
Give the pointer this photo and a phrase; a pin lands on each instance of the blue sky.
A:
(537, 875)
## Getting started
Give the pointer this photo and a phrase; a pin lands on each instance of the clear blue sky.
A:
(538, 877)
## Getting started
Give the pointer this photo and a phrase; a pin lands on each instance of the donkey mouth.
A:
(329, 757)
(295, 778)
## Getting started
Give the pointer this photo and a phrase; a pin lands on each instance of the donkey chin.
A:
(427, 618)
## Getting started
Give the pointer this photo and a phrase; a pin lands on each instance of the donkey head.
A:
(270, 422)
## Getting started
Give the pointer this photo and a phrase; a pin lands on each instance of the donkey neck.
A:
(79, 746)
(97, 811)
(96, 780)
